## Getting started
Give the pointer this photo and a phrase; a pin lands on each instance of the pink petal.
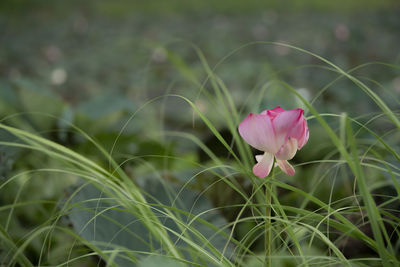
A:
(258, 132)
(288, 150)
(288, 124)
(264, 166)
(272, 113)
(285, 167)
(304, 137)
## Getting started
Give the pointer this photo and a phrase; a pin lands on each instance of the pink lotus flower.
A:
(277, 132)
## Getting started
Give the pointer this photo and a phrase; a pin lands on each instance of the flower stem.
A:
(268, 225)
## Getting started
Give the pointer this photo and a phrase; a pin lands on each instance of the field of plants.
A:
(149, 133)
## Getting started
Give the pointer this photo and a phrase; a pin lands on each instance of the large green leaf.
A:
(117, 228)
(33, 97)
(158, 260)
(105, 104)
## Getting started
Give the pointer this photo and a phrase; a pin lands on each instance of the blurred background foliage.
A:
(95, 63)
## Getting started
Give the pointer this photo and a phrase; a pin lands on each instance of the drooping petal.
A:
(288, 150)
(288, 124)
(285, 167)
(257, 131)
(264, 166)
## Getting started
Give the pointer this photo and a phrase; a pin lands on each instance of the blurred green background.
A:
(94, 63)
(80, 49)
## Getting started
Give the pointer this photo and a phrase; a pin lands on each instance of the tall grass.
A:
(305, 229)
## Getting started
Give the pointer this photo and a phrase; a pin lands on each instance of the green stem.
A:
(268, 225)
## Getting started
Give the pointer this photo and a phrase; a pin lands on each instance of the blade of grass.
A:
(373, 214)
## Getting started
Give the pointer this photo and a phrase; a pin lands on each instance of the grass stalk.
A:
(268, 224)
